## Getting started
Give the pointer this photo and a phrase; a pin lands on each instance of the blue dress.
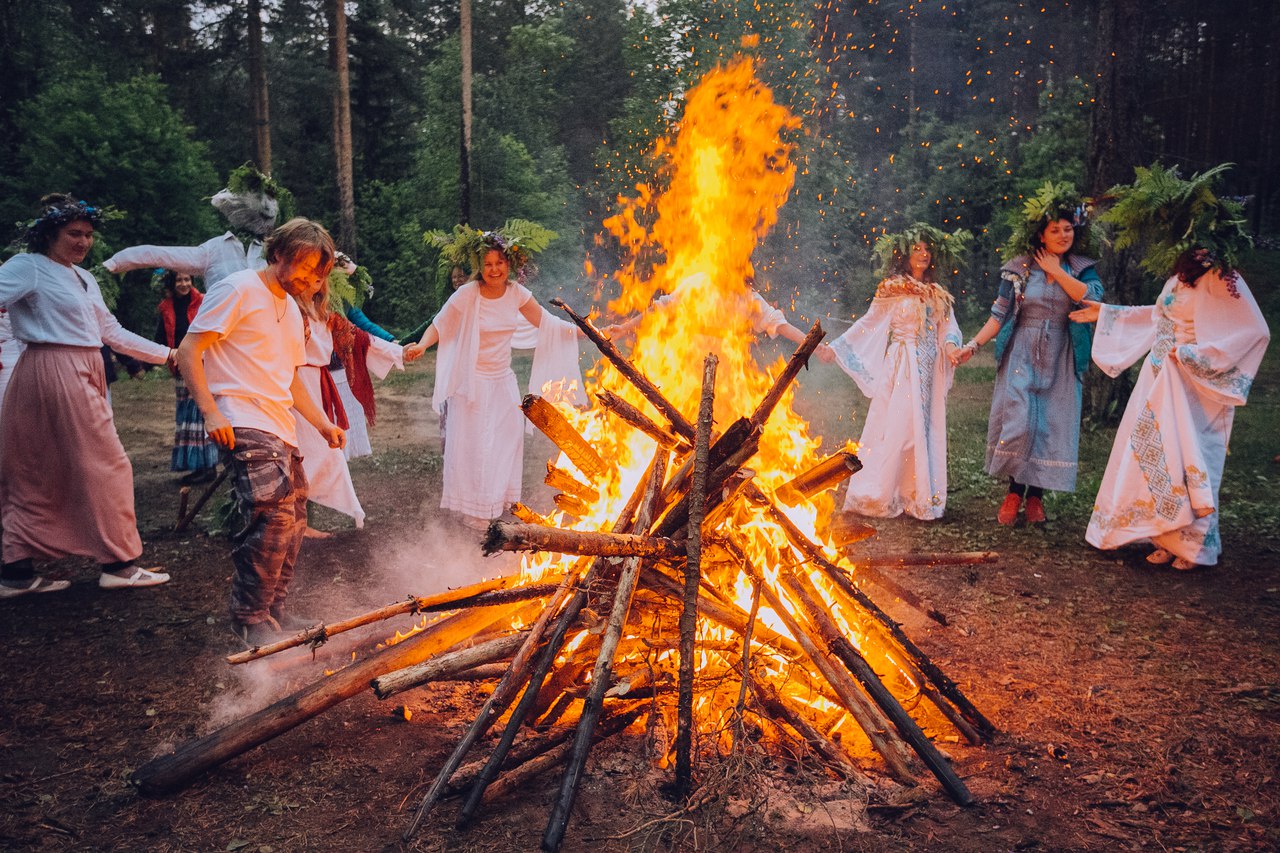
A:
(1033, 435)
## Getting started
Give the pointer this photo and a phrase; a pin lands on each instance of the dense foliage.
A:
(942, 113)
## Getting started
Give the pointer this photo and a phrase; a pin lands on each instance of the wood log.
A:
(780, 385)
(484, 672)
(529, 516)
(624, 523)
(804, 593)
(184, 494)
(692, 578)
(184, 520)
(170, 773)
(546, 417)
(892, 630)
(468, 596)
(828, 473)
(775, 706)
(571, 505)
(650, 391)
(562, 480)
(869, 717)
(498, 700)
(445, 665)
(899, 561)
(592, 705)
(513, 536)
(638, 419)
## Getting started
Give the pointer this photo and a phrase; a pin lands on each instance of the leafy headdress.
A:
(894, 250)
(252, 201)
(518, 239)
(1053, 201)
(1168, 216)
(348, 289)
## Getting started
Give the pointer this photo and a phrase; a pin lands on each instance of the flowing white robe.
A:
(896, 354)
(484, 456)
(1162, 479)
(328, 477)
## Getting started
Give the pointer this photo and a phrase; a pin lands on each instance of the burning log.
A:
(546, 417)
(483, 594)
(498, 700)
(170, 773)
(895, 634)
(529, 516)
(511, 536)
(772, 703)
(627, 369)
(570, 505)
(783, 382)
(828, 473)
(385, 686)
(562, 480)
(638, 419)
(692, 577)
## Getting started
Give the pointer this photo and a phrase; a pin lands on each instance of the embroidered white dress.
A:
(896, 353)
(1162, 479)
(484, 456)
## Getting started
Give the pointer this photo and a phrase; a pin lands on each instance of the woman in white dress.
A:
(900, 355)
(332, 336)
(484, 457)
(1203, 340)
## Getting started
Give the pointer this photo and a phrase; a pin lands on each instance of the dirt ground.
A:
(1138, 708)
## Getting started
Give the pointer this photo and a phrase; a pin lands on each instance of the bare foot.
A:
(312, 533)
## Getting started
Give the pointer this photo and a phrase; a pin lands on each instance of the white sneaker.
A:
(36, 584)
(139, 578)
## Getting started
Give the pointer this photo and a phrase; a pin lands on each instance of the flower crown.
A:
(1168, 216)
(59, 213)
(518, 240)
(947, 249)
(1053, 201)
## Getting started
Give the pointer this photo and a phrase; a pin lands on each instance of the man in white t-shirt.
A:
(240, 358)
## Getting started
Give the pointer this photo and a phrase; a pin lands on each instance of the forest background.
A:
(947, 112)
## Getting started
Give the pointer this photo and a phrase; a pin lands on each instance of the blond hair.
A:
(296, 238)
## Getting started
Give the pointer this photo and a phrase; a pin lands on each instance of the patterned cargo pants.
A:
(271, 498)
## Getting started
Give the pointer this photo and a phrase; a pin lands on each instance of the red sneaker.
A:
(1008, 513)
(1035, 511)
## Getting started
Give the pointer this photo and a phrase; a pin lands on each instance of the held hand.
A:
(825, 354)
(960, 355)
(220, 432)
(172, 361)
(1049, 262)
(334, 435)
(1088, 314)
(412, 353)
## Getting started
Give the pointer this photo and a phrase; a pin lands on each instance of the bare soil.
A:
(1139, 708)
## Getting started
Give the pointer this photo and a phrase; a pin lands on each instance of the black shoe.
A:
(255, 635)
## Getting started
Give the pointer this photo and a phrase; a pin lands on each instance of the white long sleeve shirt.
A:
(50, 303)
(213, 260)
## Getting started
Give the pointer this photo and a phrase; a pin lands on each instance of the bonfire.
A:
(688, 581)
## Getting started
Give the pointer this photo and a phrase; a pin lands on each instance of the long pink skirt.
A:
(66, 485)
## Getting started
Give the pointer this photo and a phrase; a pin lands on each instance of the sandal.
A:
(1159, 557)
(36, 584)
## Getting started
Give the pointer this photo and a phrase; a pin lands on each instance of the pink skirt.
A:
(66, 485)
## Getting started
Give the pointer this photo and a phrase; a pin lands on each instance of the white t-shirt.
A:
(261, 343)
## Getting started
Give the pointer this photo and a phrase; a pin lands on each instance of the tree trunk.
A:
(464, 175)
(258, 89)
(1114, 149)
(342, 126)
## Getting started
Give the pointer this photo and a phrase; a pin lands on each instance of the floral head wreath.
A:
(56, 214)
(1053, 201)
(1168, 216)
(947, 250)
(347, 289)
(252, 201)
(518, 240)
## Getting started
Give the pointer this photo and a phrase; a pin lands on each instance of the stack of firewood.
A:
(594, 641)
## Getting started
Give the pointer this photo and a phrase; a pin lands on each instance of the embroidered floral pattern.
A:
(1148, 448)
(1232, 382)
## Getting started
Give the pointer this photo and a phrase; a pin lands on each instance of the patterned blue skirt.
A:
(192, 449)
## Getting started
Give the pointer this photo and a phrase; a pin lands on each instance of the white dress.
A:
(896, 353)
(10, 349)
(1162, 479)
(328, 477)
(484, 456)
